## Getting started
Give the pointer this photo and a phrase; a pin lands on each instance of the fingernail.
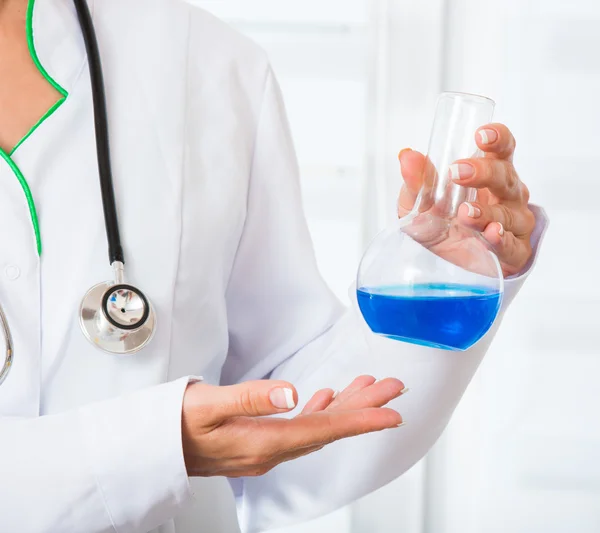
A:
(401, 425)
(335, 394)
(282, 398)
(474, 211)
(404, 391)
(461, 171)
(500, 230)
(404, 150)
(488, 136)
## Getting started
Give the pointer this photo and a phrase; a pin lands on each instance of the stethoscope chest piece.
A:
(117, 318)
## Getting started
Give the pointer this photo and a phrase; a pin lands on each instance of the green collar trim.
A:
(32, 211)
(32, 51)
(8, 157)
(47, 115)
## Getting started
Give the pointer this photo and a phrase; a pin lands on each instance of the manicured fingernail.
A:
(282, 398)
(488, 136)
(335, 394)
(401, 425)
(404, 391)
(461, 171)
(500, 230)
(474, 211)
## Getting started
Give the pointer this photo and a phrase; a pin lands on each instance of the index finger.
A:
(497, 141)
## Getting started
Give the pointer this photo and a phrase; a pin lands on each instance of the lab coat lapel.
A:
(58, 43)
(19, 297)
(49, 159)
(60, 162)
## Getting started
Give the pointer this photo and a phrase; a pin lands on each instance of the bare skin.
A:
(25, 95)
(501, 212)
(226, 431)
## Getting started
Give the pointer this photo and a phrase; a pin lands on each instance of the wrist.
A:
(190, 419)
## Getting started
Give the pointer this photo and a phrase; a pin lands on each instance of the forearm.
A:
(350, 469)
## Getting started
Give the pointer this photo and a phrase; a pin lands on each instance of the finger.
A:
(411, 169)
(358, 384)
(376, 395)
(285, 457)
(513, 253)
(417, 172)
(253, 398)
(497, 175)
(319, 401)
(270, 440)
(497, 141)
(478, 216)
(325, 427)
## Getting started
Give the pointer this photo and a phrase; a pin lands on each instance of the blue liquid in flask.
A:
(448, 316)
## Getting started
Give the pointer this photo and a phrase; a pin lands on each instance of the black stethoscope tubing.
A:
(115, 250)
(130, 322)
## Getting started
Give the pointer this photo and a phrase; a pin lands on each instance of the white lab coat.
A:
(211, 220)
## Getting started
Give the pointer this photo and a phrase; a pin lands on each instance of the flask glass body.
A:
(428, 279)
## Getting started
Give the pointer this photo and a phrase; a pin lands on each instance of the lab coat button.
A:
(12, 272)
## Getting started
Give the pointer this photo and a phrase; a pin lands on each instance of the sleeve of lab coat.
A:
(285, 323)
(111, 467)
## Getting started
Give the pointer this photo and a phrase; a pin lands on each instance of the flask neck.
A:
(457, 118)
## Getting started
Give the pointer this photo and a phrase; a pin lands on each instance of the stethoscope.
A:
(114, 316)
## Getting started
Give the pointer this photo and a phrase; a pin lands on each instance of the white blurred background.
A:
(360, 78)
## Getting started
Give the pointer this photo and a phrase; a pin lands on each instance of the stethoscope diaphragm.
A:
(117, 318)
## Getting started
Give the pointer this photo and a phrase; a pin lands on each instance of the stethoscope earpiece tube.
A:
(115, 250)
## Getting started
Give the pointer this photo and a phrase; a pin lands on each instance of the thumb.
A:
(253, 398)
(417, 170)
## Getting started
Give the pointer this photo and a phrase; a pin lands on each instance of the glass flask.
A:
(428, 279)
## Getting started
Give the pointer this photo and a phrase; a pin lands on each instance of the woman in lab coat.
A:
(209, 202)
